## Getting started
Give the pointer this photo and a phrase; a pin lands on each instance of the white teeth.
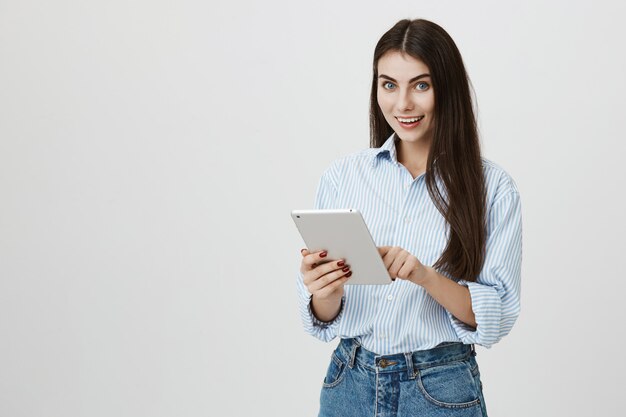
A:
(411, 120)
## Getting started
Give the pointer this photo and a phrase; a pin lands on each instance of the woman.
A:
(448, 226)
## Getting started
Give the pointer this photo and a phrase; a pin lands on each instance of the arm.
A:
(495, 296)
(321, 318)
(455, 298)
(484, 311)
(326, 310)
(317, 327)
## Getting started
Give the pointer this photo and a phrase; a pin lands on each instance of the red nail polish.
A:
(323, 254)
(341, 263)
(346, 269)
(349, 274)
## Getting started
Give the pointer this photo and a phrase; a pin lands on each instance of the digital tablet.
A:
(344, 234)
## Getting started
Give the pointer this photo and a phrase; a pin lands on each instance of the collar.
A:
(387, 150)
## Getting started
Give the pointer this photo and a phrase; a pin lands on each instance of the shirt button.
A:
(407, 220)
(408, 185)
(390, 297)
(382, 336)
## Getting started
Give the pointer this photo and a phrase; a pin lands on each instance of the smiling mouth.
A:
(409, 120)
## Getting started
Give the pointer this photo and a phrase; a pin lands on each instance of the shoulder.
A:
(356, 160)
(499, 182)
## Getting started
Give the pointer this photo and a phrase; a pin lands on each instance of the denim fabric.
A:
(442, 381)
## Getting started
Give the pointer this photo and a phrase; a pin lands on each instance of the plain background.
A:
(150, 155)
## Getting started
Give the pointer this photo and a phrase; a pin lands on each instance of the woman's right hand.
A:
(324, 280)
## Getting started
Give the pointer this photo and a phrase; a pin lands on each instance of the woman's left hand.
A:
(401, 264)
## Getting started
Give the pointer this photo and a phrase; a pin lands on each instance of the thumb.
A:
(304, 252)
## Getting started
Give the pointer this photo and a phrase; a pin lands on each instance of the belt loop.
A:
(473, 350)
(355, 346)
(409, 364)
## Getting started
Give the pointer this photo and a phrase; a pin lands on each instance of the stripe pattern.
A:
(402, 316)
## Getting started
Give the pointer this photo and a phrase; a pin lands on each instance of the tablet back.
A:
(344, 234)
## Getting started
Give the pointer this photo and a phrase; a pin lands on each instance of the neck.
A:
(412, 154)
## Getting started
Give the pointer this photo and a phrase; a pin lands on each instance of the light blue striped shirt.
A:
(402, 316)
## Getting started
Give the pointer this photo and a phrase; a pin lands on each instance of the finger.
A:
(396, 265)
(321, 257)
(415, 268)
(321, 270)
(306, 263)
(324, 274)
(407, 269)
(398, 261)
(388, 258)
(332, 287)
(311, 258)
(383, 250)
(328, 279)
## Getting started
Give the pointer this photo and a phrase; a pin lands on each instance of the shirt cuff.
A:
(325, 331)
(487, 308)
(325, 324)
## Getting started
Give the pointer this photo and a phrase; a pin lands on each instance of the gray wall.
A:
(150, 154)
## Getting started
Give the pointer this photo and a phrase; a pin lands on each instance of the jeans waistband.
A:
(353, 353)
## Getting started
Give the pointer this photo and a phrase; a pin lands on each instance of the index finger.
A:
(383, 250)
(309, 259)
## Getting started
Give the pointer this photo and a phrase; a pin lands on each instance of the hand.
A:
(324, 278)
(401, 264)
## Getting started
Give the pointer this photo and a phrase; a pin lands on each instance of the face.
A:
(406, 97)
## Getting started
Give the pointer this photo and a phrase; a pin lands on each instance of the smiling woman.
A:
(447, 223)
(408, 105)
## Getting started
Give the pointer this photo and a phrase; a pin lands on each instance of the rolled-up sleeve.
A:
(325, 331)
(496, 293)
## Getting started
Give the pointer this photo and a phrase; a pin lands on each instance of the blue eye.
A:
(387, 84)
(423, 83)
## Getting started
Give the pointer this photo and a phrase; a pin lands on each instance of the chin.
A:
(410, 138)
(414, 137)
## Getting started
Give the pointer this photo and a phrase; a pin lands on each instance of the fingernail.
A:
(323, 254)
(341, 263)
(346, 269)
(349, 274)
(302, 250)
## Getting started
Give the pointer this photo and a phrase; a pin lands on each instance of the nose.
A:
(404, 103)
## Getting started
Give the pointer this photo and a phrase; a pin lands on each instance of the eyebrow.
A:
(410, 81)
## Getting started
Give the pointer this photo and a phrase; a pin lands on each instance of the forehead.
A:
(400, 66)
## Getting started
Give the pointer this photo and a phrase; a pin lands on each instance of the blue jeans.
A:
(442, 381)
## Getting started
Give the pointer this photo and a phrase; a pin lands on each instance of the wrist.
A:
(326, 309)
(330, 299)
(425, 276)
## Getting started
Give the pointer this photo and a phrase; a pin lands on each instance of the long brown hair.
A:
(454, 155)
